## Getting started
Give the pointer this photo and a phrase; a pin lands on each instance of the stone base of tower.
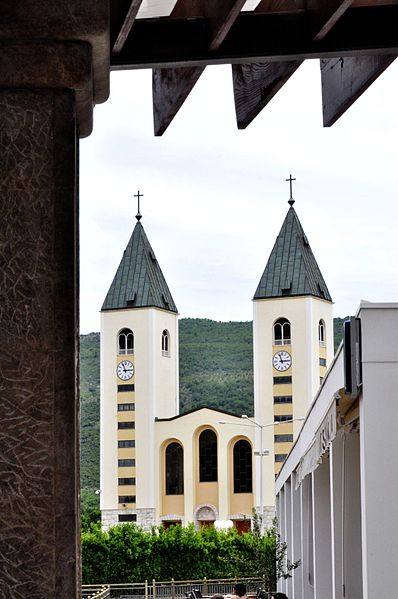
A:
(110, 518)
(269, 514)
(146, 517)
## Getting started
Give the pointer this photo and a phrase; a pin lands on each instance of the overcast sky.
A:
(215, 197)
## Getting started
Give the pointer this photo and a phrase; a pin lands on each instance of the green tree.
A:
(265, 556)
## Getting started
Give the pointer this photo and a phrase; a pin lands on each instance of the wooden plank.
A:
(256, 84)
(126, 27)
(187, 9)
(257, 38)
(362, 3)
(345, 79)
(325, 14)
(276, 6)
(170, 88)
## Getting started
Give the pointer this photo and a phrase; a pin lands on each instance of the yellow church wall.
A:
(186, 430)
(125, 435)
(206, 493)
(283, 447)
(283, 389)
(283, 408)
(172, 505)
(242, 503)
(126, 416)
(284, 428)
(126, 452)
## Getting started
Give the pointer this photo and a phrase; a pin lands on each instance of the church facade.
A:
(207, 465)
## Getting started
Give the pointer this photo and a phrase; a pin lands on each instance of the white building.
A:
(337, 492)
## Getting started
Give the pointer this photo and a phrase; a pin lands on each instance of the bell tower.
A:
(139, 374)
(293, 344)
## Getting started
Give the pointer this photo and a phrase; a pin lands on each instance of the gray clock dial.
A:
(125, 370)
(282, 361)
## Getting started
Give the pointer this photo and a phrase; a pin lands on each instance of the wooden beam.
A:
(256, 84)
(127, 25)
(221, 16)
(345, 79)
(325, 14)
(170, 88)
(257, 38)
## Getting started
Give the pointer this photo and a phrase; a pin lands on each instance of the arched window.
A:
(243, 471)
(174, 469)
(208, 456)
(165, 343)
(282, 334)
(322, 332)
(126, 342)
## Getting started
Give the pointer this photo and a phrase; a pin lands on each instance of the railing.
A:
(167, 590)
(101, 591)
(282, 341)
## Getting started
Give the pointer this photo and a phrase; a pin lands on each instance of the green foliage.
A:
(269, 565)
(128, 554)
(95, 562)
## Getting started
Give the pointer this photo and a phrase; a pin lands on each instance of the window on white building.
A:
(282, 332)
(126, 342)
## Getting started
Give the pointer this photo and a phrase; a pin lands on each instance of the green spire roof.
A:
(139, 281)
(291, 268)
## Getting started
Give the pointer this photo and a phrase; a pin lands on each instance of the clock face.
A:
(125, 370)
(282, 360)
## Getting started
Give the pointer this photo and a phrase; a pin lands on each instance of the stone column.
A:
(53, 69)
(39, 552)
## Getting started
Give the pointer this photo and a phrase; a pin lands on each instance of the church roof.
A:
(139, 281)
(291, 268)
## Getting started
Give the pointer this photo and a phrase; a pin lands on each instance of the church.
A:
(206, 466)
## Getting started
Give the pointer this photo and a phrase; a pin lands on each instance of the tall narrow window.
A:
(243, 472)
(282, 334)
(165, 343)
(126, 342)
(208, 456)
(174, 469)
(322, 332)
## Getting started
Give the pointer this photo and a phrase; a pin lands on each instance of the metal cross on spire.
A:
(138, 195)
(291, 179)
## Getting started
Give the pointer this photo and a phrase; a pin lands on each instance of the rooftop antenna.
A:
(138, 195)
(291, 179)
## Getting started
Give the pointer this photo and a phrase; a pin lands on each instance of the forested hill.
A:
(216, 365)
(216, 369)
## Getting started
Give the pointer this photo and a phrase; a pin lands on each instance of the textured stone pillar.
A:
(39, 548)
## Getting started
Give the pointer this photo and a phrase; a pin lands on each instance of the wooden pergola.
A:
(264, 41)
